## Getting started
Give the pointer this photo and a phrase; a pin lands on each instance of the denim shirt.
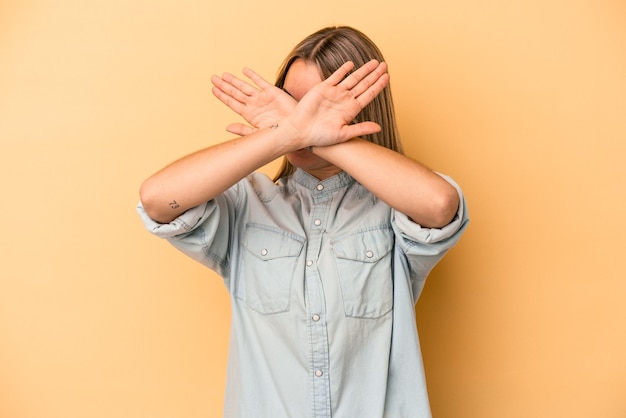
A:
(323, 278)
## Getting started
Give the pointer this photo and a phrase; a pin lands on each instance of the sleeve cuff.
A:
(182, 224)
(431, 235)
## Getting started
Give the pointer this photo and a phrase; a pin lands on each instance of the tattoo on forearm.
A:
(274, 126)
(174, 205)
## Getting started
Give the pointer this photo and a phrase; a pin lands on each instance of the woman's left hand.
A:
(325, 114)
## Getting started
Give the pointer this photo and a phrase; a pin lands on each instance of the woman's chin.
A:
(312, 164)
(302, 158)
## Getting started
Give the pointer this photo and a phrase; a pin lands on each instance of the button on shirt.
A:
(323, 278)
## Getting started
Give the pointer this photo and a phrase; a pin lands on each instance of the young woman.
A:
(325, 263)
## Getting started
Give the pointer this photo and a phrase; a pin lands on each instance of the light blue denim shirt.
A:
(323, 278)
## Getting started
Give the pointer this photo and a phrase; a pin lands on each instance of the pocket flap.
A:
(365, 246)
(268, 243)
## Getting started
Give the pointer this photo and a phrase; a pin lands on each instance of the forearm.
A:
(402, 183)
(203, 175)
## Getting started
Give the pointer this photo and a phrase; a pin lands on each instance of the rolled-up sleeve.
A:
(424, 247)
(186, 222)
(204, 233)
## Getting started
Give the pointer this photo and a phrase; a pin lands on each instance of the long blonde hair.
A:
(329, 49)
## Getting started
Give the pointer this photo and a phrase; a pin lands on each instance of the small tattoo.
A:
(174, 205)
(274, 126)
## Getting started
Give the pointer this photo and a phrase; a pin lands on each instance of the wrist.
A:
(291, 137)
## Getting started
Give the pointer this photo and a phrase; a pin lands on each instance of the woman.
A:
(324, 264)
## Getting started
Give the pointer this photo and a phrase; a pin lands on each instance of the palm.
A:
(260, 106)
(267, 107)
(325, 114)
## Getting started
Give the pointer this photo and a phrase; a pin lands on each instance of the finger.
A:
(339, 74)
(358, 75)
(227, 100)
(240, 129)
(239, 84)
(238, 89)
(360, 129)
(372, 91)
(258, 80)
(228, 90)
(370, 79)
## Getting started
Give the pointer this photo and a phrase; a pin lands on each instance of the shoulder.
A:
(261, 185)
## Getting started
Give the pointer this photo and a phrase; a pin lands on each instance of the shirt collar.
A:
(335, 182)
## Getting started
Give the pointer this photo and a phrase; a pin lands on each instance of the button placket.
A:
(318, 332)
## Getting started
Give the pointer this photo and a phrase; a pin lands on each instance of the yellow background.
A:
(523, 102)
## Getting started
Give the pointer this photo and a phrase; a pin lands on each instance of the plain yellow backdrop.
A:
(523, 102)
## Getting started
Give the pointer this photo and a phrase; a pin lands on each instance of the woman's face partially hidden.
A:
(301, 77)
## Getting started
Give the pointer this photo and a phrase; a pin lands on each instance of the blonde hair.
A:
(329, 48)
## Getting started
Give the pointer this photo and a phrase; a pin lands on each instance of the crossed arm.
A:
(279, 125)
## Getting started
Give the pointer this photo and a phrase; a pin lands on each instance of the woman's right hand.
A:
(261, 106)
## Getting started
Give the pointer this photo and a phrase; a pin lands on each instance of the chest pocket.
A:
(268, 265)
(364, 267)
